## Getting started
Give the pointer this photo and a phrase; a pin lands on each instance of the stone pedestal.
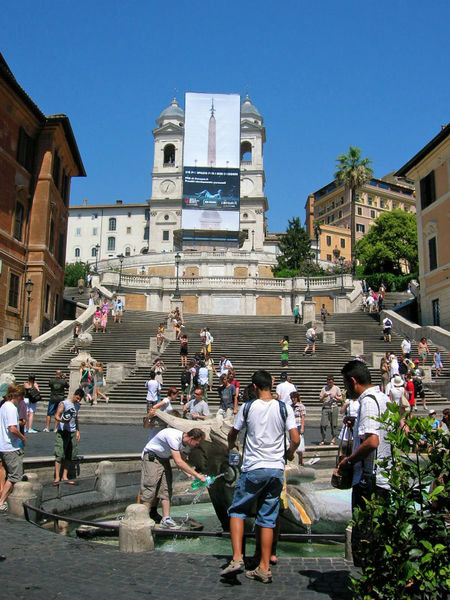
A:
(356, 347)
(22, 492)
(135, 531)
(376, 359)
(117, 372)
(308, 311)
(174, 302)
(143, 358)
(341, 304)
(106, 479)
(427, 374)
(33, 478)
(329, 337)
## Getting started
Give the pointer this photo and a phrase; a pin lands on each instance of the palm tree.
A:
(317, 232)
(353, 171)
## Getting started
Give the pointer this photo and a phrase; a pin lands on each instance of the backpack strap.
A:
(283, 413)
(379, 415)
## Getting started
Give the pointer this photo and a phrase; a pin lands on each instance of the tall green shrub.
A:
(404, 548)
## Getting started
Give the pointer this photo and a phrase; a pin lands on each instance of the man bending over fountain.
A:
(156, 475)
(261, 479)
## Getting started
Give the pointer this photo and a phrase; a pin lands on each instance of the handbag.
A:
(404, 401)
(342, 479)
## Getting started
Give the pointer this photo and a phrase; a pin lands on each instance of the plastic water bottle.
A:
(197, 483)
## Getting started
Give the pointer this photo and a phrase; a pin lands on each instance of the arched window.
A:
(77, 253)
(94, 252)
(127, 251)
(111, 244)
(112, 224)
(169, 155)
(246, 152)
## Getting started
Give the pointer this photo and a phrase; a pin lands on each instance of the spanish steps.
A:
(250, 342)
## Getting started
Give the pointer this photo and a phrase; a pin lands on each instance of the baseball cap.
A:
(432, 412)
(283, 376)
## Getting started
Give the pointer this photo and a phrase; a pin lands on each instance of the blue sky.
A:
(324, 77)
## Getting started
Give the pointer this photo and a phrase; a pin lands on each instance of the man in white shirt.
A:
(285, 388)
(369, 443)
(387, 329)
(11, 442)
(153, 388)
(311, 337)
(224, 365)
(156, 475)
(406, 347)
(261, 479)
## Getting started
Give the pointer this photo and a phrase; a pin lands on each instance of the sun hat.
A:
(432, 412)
(397, 381)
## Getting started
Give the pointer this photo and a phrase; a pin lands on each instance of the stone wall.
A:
(268, 305)
(135, 302)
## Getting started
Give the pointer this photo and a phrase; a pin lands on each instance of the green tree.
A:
(353, 171)
(390, 246)
(295, 247)
(74, 271)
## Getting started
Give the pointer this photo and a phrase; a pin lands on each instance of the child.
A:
(300, 414)
(438, 362)
(160, 337)
(284, 343)
(184, 350)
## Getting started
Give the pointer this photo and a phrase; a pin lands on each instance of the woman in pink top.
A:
(104, 320)
(97, 318)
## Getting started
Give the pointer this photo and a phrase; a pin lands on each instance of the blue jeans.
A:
(260, 488)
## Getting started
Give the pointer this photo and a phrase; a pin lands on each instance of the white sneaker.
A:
(106, 399)
(46, 430)
(3, 508)
(169, 523)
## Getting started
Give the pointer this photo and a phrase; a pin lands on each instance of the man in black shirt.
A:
(58, 385)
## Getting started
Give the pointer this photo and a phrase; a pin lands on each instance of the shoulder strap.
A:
(379, 414)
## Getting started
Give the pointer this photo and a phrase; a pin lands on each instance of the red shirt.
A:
(409, 387)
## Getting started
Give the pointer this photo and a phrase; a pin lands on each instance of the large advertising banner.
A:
(211, 176)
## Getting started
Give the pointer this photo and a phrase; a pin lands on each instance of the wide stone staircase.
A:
(249, 342)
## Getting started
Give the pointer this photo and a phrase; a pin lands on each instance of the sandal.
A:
(322, 443)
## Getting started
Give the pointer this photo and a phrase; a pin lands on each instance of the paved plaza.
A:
(42, 565)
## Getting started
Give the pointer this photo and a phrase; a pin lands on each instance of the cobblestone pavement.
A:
(42, 565)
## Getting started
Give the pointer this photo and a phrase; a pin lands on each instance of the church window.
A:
(432, 254)
(112, 224)
(169, 155)
(77, 253)
(427, 190)
(246, 152)
(18, 221)
(111, 244)
(127, 251)
(165, 236)
(166, 217)
(94, 252)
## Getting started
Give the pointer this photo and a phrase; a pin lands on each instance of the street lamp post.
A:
(97, 247)
(28, 288)
(308, 295)
(341, 260)
(177, 266)
(120, 257)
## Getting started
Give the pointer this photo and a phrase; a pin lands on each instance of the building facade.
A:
(330, 207)
(430, 170)
(167, 179)
(38, 158)
(99, 232)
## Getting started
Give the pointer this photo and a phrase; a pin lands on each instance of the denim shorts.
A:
(260, 488)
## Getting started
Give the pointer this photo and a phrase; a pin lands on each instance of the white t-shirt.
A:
(406, 347)
(165, 441)
(224, 366)
(264, 444)
(366, 423)
(9, 416)
(284, 391)
(198, 408)
(311, 334)
(203, 376)
(153, 388)
(167, 406)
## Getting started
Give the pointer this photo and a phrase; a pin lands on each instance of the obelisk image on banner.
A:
(211, 175)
